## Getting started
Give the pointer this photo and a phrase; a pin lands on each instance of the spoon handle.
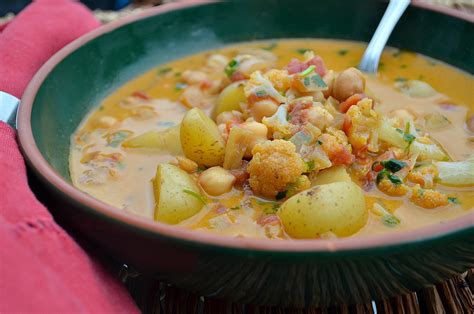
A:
(370, 60)
(8, 108)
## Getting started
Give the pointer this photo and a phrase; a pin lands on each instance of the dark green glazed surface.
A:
(94, 70)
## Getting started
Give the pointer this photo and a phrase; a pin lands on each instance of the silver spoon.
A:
(371, 57)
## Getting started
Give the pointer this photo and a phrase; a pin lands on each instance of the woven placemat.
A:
(452, 296)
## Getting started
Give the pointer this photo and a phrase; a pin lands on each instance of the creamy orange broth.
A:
(130, 187)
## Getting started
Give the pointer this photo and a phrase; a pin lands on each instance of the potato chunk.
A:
(177, 196)
(165, 141)
(201, 140)
(335, 207)
(230, 98)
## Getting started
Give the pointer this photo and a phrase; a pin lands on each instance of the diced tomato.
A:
(297, 66)
(319, 64)
(347, 124)
(368, 181)
(342, 157)
(351, 101)
(237, 76)
(206, 84)
(141, 95)
(377, 167)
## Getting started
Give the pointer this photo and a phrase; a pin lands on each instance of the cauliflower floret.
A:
(279, 78)
(423, 175)
(319, 117)
(392, 189)
(334, 144)
(364, 122)
(303, 111)
(274, 166)
(428, 198)
(279, 125)
(259, 87)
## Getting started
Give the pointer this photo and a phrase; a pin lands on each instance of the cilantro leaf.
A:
(393, 165)
(231, 67)
(390, 220)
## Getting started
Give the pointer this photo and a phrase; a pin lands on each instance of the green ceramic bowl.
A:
(318, 272)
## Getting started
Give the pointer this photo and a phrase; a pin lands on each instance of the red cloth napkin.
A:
(42, 269)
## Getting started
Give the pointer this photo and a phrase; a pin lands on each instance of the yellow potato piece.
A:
(239, 140)
(331, 175)
(177, 195)
(166, 141)
(335, 207)
(201, 140)
(230, 98)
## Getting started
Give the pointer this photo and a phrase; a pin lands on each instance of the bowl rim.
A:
(341, 245)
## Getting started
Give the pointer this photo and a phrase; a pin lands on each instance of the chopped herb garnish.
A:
(381, 66)
(342, 52)
(280, 195)
(164, 70)
(393, 165)
(385, 174)
(403, 66)
(180, 86)
(306, 81)
(390, 220)
(101, 108)
(407, 137)
(316, 79)
(200, 169)
(177, 74)
(400, 79)
(394, 179)
(201, 198)
(310, 165)
(231, 67)
(302, 51)
(307, 71)
(235, 208)
(260, 93)
(381, 175)
(319, 142)
(270, 47)
(454, 200)
(117, 138)
(399, 130)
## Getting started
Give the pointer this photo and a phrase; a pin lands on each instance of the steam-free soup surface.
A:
(300, 145)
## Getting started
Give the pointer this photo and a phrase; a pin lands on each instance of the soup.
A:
(285, 139)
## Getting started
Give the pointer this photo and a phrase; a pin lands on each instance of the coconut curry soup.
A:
(285, 139)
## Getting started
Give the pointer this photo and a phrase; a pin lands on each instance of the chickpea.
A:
(329, 80)
(259, 134)
(263, 108)
(347, 83)
(216, 181)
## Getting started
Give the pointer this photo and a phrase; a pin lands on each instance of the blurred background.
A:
(14, 6)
